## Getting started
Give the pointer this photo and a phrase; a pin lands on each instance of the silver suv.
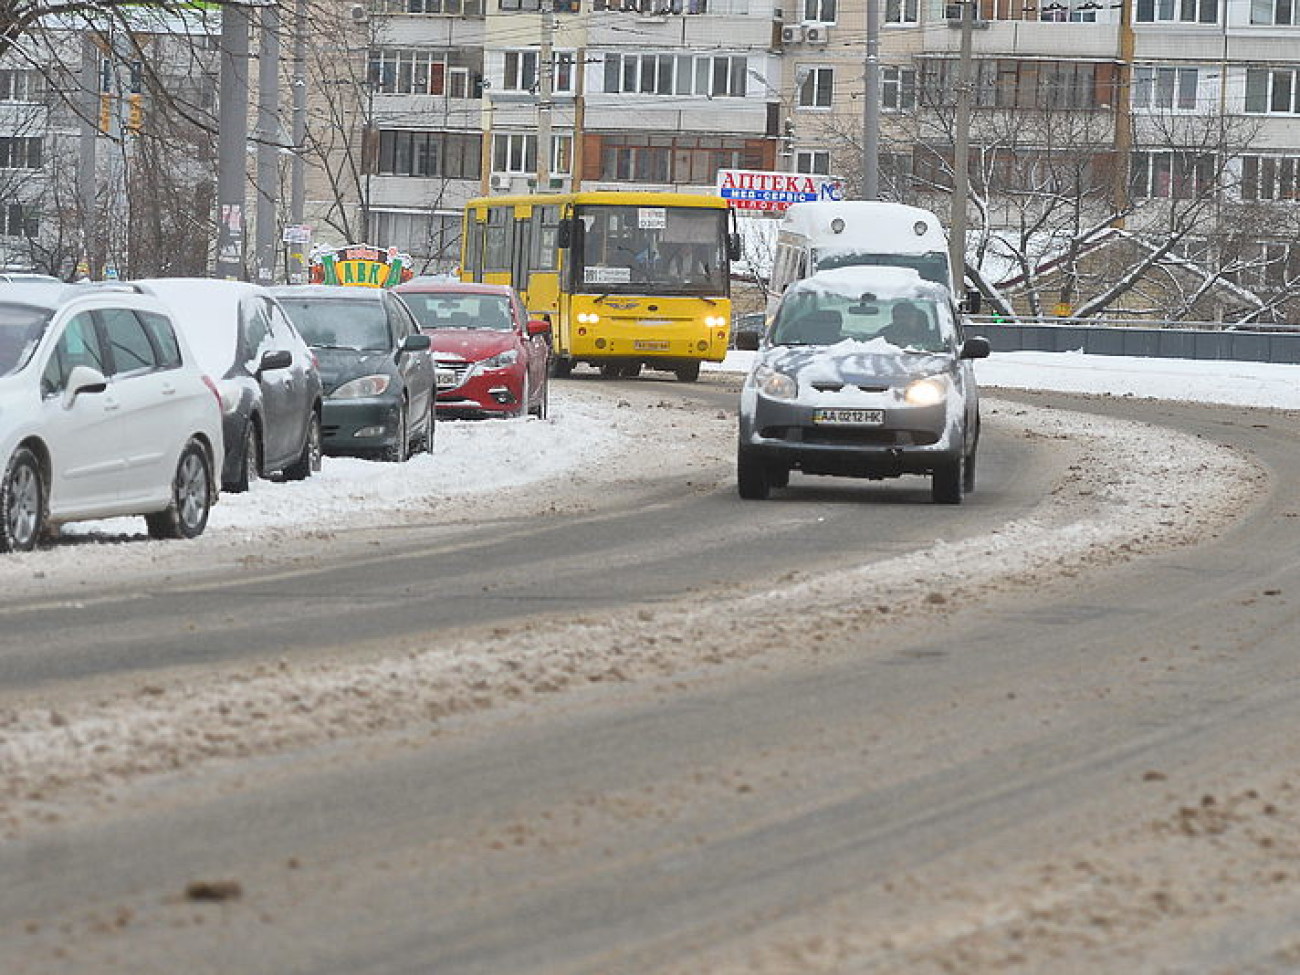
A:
(863, 372)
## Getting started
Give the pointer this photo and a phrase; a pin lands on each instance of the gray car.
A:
(267, 377)
(378, 372)
(863, 372)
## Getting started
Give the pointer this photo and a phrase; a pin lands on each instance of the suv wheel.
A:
(753, 476)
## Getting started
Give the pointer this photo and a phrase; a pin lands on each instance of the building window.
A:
(901, 11)
(520, 71)
(817, 87)
(1272, 91)
(432, 239)
(397, 71)
(471, 8)
(813, 162)
(450, 155)
(1168, 174)
(681, 159)
(676, 74)
(1177, 11)
(17, 152)
(1270, 178)
(1006, 83)
(1159, 88)
(897, 88)
(819, 11)
(17, 85)
(517, 154)
(1275, 12)
(19, 220)
(520, 5)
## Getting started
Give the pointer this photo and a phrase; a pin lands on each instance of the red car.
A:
(491, 359)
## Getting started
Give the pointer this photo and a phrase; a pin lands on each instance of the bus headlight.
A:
(715, 321)
(588, 318)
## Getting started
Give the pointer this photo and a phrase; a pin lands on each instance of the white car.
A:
(103, 413)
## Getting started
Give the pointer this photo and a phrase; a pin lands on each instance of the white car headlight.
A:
(363, 387)
(502, 359)
(927, 392)
(775, 385)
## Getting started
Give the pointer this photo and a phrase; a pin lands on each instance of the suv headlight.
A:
(362, 388)
(926, 392)
(775, 385)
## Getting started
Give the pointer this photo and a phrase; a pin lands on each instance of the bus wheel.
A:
(612, 370)
(562, 366)
(688, 373)
(632, 370)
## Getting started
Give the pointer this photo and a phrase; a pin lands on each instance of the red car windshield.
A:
(469, 310)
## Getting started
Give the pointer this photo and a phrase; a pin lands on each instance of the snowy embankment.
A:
(1119, 498)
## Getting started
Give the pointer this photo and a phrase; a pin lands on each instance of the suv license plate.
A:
(849, 418)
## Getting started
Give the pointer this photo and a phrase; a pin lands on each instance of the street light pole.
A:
(232, 136)
(268, 142)
(297, 174)
(961, 154)
(871, 106)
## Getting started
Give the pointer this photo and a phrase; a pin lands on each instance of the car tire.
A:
(400, 449)
(309, 461)
(22, 503)
(688, 373)
(430, 428)
(250, 461)
(524, 395)
(947, 480)
(191, 503)
(753, 476)
(968, 473)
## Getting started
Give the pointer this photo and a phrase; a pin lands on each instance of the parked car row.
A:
(150, 397)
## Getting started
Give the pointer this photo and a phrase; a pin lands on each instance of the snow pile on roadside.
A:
(1125, 501)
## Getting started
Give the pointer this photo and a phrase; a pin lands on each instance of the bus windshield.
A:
(622, 249)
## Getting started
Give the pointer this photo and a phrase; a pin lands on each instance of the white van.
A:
(827, 234)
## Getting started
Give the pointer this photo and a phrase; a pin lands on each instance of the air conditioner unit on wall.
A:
(792, 34)
(816, 34)
(499, 181)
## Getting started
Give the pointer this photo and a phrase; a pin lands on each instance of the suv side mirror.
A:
(538, 326)
(416, 343)
(975, 347)
(280, 359)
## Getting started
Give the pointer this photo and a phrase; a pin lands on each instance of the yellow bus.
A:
(626, 279)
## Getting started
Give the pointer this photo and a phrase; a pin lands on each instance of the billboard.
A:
(754, 189)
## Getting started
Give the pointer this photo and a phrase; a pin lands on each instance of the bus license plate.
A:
(849, 418)
(650, 345)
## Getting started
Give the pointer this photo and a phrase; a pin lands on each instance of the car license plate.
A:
(849, 418)
(446, 377)
(648, 345)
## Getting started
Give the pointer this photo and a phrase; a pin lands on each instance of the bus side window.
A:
(472, 263)
(497, 244)
(545, 227)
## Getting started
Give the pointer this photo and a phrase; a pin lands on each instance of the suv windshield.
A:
(822, 317)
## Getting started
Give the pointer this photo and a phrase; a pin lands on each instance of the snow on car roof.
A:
(207, 310)
(883, 282)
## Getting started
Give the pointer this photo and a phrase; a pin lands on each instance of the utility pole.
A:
(871, 106)
(545, 96)
(87, 137)
(961, 154)
(232, 136)
(297, 175)
(268, 142)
